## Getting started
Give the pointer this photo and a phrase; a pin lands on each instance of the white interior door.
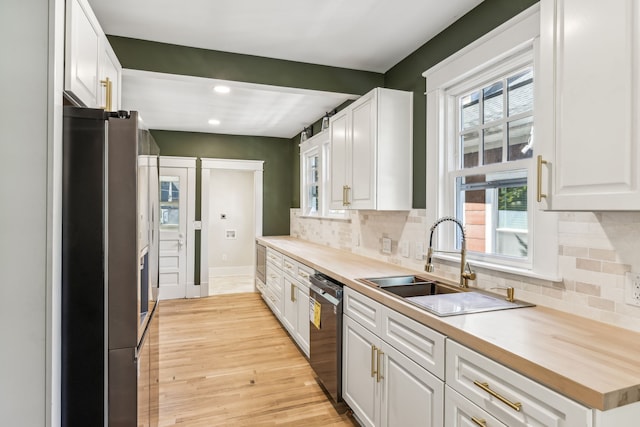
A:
(173, 233)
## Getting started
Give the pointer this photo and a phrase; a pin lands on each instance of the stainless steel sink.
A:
(411, 286)
(442, 299)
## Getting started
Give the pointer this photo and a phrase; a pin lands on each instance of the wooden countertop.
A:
(591, 362)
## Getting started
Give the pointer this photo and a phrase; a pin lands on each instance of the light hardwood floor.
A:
(226, 361)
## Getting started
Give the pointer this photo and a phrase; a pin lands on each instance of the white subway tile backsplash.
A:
(595, 251)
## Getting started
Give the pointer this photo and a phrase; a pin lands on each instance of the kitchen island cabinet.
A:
(591, 364)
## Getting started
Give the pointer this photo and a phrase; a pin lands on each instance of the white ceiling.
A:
(370, 35)
(184, 103)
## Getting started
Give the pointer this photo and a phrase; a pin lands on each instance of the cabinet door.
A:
(302, 319)
(289, 307)
(358, 371)
(361, 194)
(589, 104)
(82, 52)
(339, 159)
(111, 69)
(411, 396)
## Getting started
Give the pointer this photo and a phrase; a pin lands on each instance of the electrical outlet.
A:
(386, 245)
(419, 255)
(632, 288)
(404, 249)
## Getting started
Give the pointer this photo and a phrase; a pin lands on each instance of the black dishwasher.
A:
(325, 337)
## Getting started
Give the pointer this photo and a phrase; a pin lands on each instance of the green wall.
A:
(275, 152)
(190, 61)
(407, 74)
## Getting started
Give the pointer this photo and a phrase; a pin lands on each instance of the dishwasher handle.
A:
(323, 294)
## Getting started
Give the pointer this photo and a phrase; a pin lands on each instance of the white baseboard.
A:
(245, 270)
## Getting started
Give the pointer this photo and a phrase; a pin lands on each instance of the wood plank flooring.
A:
(226, 361)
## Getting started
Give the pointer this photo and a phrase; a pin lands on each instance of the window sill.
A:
(503, 268)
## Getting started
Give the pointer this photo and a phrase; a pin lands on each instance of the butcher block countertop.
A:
(588, 361)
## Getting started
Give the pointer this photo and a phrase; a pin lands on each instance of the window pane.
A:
(313, 183)
(493, 102)
(470, 149)
(470, 107)
(520, 92)
(169, 202)
(494, 210)
(492, 145)
(521, 139)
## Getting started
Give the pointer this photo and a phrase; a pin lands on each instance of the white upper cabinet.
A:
(588, 107)
(371, 152)
(92, 70)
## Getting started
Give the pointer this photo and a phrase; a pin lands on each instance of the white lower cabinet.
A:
(460, 412)
(295, 311)
(511, 398)
(287, 295)
(384, 387)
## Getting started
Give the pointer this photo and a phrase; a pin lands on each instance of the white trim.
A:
(188, 163)
(499, 50)
(243, 270)
(526, 22)
(177, 162)
(254, 165)
(257, 166)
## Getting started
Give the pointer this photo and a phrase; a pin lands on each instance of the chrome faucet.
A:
(466, 273)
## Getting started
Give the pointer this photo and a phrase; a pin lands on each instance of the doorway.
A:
(177, 213)
(231, 220)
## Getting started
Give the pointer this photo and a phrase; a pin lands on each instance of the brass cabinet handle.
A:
(344, 195)
(539, 194)
(379, 367)
(293, 293)
(479, 421)
(303, 274)
(485, 386)
(374, 349)
(347, 202)
(106, 83)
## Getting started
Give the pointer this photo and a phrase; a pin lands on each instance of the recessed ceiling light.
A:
(214, 122)
(222, 89)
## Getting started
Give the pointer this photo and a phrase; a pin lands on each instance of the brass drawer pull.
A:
(485, 386)
(293, 293)
(479, 421)
(374, 349)
(379, 367)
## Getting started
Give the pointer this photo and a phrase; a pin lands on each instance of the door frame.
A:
(257, 166)
(188, 163)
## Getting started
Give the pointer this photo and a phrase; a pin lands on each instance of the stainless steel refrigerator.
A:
(110, 234)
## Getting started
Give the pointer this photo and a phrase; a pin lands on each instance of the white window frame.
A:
(318, 143)
(505, 49)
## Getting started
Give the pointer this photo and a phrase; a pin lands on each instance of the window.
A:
(480, 152)
(495, 145)
(314, 177)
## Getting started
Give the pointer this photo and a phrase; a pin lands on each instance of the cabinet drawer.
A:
(363, 309)
(275, 257)
(290, 267)
(482, 380)
(304, 272)
(461, 412)
(420, 343)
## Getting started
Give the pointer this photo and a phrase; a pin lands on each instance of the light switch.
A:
(386, 245)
